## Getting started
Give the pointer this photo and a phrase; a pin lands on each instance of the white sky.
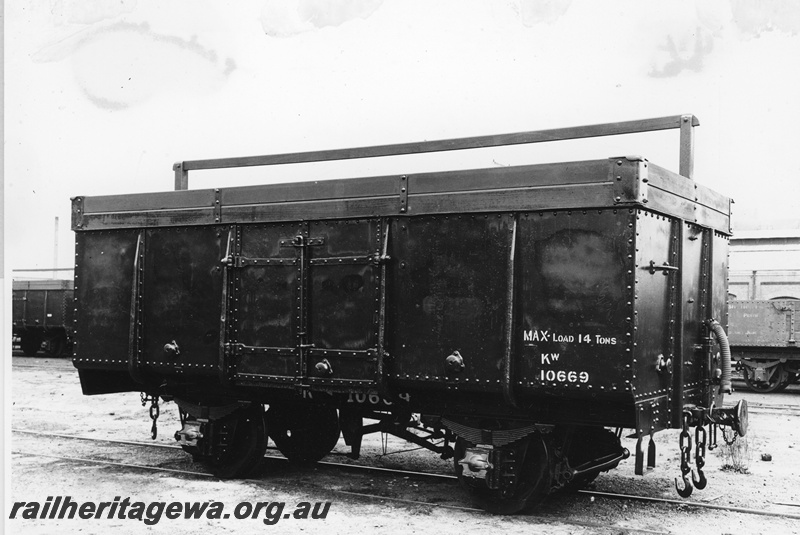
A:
(102, 97)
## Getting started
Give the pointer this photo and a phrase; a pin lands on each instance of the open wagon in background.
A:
(525, 312)
(42, 316)
(764, 345)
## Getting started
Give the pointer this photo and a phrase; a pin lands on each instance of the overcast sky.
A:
(102, 97)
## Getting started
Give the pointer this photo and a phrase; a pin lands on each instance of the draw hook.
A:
(701, 483)
(687, 490)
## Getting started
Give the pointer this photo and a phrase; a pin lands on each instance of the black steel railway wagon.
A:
(42, 315)
(527, 313)
(764, 344)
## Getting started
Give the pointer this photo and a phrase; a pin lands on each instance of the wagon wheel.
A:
(790, 378)
(303, 433)
(55, 346)
(246, 437)
(532, 485)
(777, 380)
(30, 344)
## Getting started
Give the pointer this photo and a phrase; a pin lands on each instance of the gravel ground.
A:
(46, 398)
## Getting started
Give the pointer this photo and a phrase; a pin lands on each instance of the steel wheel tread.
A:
(533, 486)
(305, 433)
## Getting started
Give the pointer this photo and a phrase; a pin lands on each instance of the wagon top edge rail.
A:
(618, 182)
(684, 122)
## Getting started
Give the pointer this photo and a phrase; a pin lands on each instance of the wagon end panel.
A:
(148, 306)
(700, 302)
(104, 274)
(680, 287)
(656, 358)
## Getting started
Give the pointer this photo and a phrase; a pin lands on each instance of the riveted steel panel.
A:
(694, 304)
(265, 312)
(103, 283)
(18, 302)
(575, 300)
(769, 324)
(48, 304)
(35, 307)
(266, 302)
(181, 298)
(307, 293)
(344, 293)
(449, 294)
(657, 273)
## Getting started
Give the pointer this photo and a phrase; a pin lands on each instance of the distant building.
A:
(765, 263)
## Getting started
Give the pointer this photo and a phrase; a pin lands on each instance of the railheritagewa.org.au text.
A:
(65, 508)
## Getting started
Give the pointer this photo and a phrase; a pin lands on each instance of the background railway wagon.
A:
(42, 316)
(764, 292)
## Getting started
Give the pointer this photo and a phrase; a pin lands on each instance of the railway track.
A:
(379, 471)
(546, 519)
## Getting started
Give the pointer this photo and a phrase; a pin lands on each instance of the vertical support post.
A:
(687, 146)
(55, 248)
(508, 353)
(181, 176)
(44, 309)
(300, 243)
(135, 327)
(226, 344)
(678, 359)
(381, 353)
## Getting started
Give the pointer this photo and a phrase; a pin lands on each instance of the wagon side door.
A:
(344, 302)
(264, 304)
(304, 303)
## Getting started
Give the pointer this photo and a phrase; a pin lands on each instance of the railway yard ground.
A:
(98, 449)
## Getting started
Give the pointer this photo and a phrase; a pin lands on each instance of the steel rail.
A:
(111, 463)
(549, 519)
(693, 504)
(602, 494)
(431, 475)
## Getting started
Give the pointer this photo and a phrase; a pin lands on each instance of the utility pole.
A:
(55, 248)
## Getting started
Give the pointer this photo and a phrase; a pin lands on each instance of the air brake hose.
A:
(725, 349)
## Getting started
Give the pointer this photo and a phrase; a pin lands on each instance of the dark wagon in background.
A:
(528, 314)
(42, 316)
(764, 342)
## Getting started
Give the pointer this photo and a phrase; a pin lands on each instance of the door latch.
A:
(664, 268)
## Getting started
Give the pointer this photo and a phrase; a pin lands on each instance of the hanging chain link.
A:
(712, 438)
(685, 444)
(700, 446)
(155, 412)
(700, 457)
(729, 442)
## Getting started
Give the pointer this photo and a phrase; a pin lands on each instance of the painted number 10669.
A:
(563, 376)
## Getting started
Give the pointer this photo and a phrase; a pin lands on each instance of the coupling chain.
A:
(725, 437)
(685, 444)
(155, 412)
(700, 446)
